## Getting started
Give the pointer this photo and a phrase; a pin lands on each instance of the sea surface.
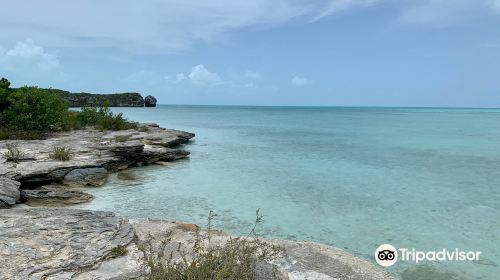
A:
(354, 178)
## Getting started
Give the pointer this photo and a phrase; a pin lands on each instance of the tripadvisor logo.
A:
(387, 255)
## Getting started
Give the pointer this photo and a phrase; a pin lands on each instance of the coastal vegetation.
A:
(13, 154)
(235, 259)
(30, 113)
(61, 153)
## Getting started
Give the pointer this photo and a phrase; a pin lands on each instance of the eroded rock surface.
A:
(94, 154)
(53, 243)
(58, 243)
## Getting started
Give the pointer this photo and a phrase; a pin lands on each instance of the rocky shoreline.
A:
(61, 243)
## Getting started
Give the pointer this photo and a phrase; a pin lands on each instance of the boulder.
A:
(9, 192)
(150, 101)
(94, 176)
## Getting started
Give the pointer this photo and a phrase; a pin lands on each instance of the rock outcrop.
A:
(95, 154)
(150, 101)
(128, 99)
(76, 244)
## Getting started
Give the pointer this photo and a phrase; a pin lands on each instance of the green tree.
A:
(5, 91)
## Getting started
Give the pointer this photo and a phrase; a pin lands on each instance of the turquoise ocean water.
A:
(353, 178)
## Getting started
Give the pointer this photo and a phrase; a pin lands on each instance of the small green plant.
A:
(119, 251)
(61, 153)
(122, 138)
(13, 153)
(235, 259)
(143, 128)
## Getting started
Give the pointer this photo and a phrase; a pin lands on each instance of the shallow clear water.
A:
(350, 177)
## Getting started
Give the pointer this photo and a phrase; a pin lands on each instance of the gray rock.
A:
(86, 177)
(62, 243)
(150, 101)
(91, 149)
(76, 244)
(54, 197)
(9, 192)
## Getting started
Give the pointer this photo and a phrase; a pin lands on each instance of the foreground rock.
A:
(94, 154)
(58, 244)
(75, 244)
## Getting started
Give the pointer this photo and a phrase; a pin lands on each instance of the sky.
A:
(441, 53)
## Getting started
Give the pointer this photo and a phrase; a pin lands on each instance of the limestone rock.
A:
(92, 149)
(9, 192)
(61, 243)
(54, 197)
(77, 244)
(150, 101)
(95, 176)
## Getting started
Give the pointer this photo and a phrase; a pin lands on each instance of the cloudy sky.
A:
(260, 52)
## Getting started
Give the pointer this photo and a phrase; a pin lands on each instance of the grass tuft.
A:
(13, 153)
(61, 153)
(119, 251)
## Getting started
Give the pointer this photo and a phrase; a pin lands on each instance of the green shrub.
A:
(235, 259)
(13, 153)
(29, 112)
(32, 109)
(12, 134)
(61, 153)
(102, 118)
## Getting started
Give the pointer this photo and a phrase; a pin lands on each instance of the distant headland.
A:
(125, 99)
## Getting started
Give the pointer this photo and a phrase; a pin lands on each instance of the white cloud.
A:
(26, 55)
(140, 26)
(299, 81)
(159, 26)
(253, 75)
(201, 76)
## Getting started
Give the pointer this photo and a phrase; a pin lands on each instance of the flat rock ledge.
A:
(94, 155)
(52, 243)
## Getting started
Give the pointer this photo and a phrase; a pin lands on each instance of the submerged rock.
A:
(150, 101)
(128, 175)
(9, 192)
(54, 197)
(93, 177)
